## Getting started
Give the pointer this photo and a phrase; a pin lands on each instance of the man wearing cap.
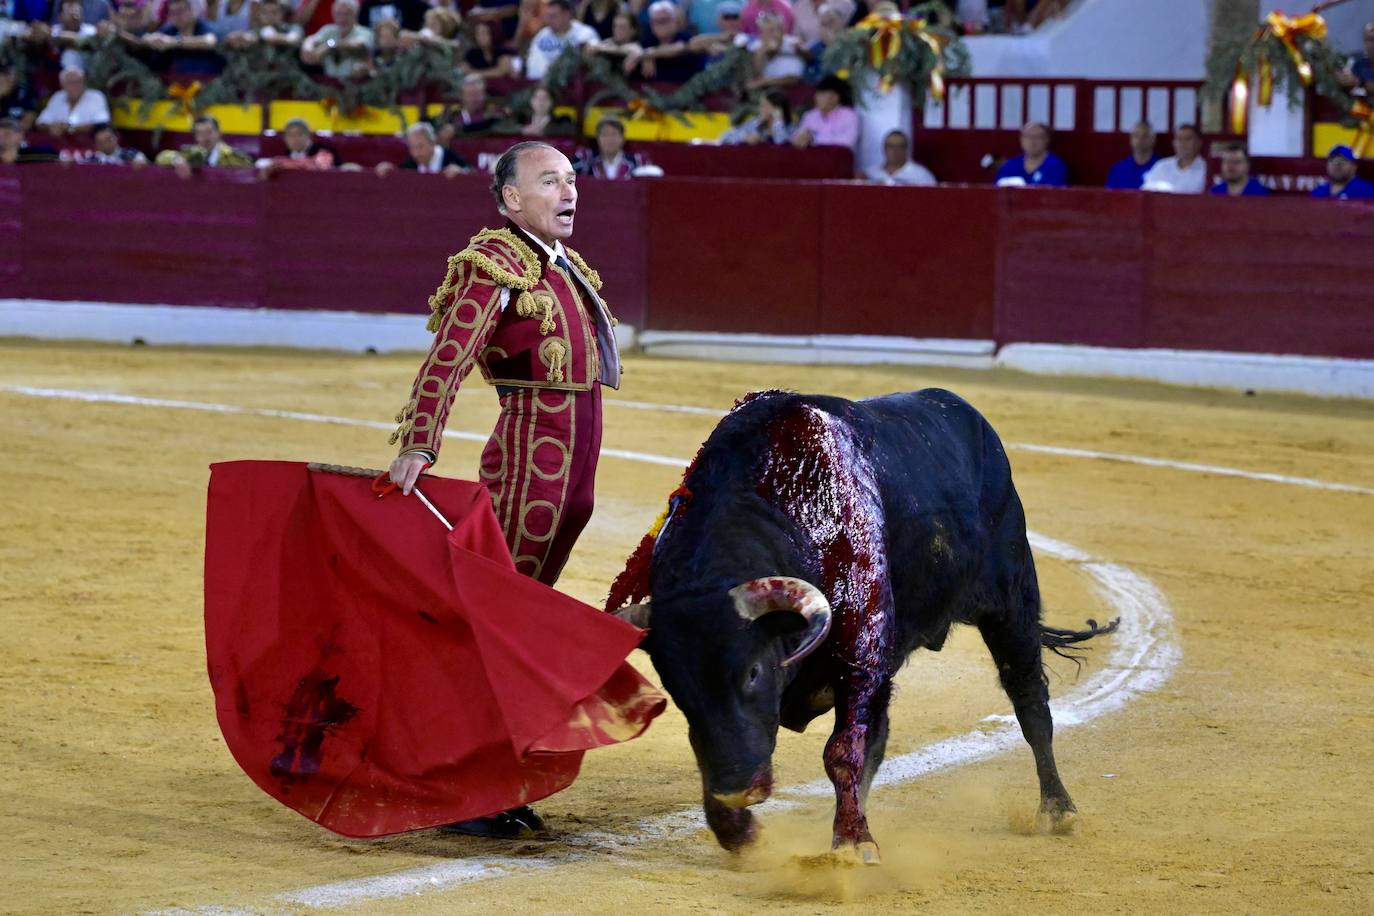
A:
(1344, 183)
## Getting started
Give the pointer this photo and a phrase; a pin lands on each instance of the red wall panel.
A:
(734, 256)
(912, 262)
(1261, 275)
(1071, 267)
(113, 235)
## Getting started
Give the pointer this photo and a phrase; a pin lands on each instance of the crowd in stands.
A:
(663, 41)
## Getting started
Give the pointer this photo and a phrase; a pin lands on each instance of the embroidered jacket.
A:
(523, 321)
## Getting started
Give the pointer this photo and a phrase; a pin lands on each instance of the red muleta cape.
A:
(378, 674)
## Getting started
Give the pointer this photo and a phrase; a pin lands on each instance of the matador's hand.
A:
(405, 470)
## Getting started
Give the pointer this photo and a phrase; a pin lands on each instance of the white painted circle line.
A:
(111, 397)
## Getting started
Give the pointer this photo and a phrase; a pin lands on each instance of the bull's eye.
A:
(755, 672)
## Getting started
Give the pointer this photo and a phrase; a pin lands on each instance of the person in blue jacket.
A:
(1036, 165)
(1235, 174)
(1129, 173)
(1345, 183)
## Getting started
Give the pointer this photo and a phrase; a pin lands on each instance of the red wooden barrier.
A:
(1078, 266)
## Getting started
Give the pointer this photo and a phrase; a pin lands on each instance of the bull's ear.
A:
(635, 615)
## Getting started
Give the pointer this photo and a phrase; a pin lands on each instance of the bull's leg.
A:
(852, 756)
(1016, 650)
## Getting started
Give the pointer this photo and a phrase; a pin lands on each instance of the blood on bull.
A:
(816, 543)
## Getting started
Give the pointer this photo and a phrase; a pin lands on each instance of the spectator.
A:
(386, 45)
(16, 101)
(303, 154)
(340, 47)
(440, 32)
(559, 33)
(74, 109)
(15, 151)
(1036, 165)
(1235, 174)
(1025, 15)
(543, 122)
(749, 18)
(487, 57)
(208, 151)
(1344, 183)
(108, 151)
(973, 16)
(476, 116)
(132, 20)
(777, 58)
(93, 12)
(187, 42)
(666, 55)
(832, 122)
(1129, 173)
(528, 24)
(703, 16)
(268, 24)
(426, 155)
(225, 17)
(1359, 73)
(1185, 172)
(897, 167)
(599, 14)
(408, 14)
(502, 15)
(773, 123)
(834, 16)
(611, 160)
(624, 40)
(727, 34)
(73, 36)
(312, 15)
(808, 21)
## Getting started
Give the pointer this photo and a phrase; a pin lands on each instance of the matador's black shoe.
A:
(515, 824)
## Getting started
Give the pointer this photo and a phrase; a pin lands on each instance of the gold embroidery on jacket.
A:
(551, 353)
(505, 275)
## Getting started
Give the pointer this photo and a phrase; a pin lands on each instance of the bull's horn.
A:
(758, 597)
(636, 614)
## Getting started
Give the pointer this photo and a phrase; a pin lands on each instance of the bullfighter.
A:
(527, 311)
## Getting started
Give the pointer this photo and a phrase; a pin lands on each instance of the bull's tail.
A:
(1058, 641)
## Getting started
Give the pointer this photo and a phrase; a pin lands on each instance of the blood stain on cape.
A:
(311, 713)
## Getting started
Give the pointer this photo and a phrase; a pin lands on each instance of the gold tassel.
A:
(525, 306)
(554, 351)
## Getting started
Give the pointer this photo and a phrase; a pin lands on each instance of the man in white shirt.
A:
(1185, 172)
(560, 32)
(76, 109)
(897, 167)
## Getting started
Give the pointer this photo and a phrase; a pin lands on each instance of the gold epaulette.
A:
(592, 276)
(501, 255)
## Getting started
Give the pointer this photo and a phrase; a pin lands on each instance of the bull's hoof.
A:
(1057, 816)
(865, 853)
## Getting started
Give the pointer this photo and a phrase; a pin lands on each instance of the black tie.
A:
(563, 265)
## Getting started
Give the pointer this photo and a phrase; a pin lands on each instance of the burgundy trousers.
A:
(540, 466)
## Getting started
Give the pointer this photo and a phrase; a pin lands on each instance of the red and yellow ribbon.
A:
(185, 93)
(885, 43)
(1364, 131)
(1287, 29)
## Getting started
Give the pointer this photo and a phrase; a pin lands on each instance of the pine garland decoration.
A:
(917, 51)
(1286, 53)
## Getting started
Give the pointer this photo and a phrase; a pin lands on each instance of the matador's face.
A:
(543, 200)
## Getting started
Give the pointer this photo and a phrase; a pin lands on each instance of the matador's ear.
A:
(511, 195)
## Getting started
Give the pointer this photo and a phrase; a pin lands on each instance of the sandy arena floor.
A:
(1240, 785)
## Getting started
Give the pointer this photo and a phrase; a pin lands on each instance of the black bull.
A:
(820, 542)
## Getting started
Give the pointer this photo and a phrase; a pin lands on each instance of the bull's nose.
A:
(751, 796)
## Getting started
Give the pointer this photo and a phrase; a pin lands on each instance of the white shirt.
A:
(90, 108)
(910, 174)
(547, 45)
(435, 163)
(1165, 175)
(787, 62)
(73, 59)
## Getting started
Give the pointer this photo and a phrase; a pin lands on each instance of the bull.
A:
(816, 543)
